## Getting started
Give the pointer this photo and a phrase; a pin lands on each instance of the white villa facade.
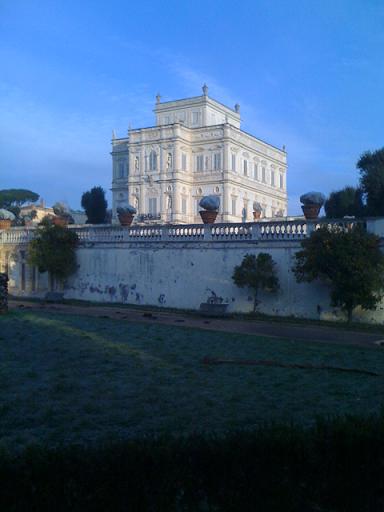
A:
(196, 149)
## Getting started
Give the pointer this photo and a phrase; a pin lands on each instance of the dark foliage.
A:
(53, 250)
(95, 205)
(371, 167)
(336, 465)
(11, 199)
(256, 273)
(350, 261)
(348, 201)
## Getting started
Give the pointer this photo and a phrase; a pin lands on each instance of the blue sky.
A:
(307, 74)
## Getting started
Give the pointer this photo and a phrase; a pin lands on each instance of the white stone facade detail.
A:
(197, 148)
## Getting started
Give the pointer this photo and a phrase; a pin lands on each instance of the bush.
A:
(349, 261)
(53, 250)
(335, 465)
(256, 273)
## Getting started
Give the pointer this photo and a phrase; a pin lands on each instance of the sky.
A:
(308, 75)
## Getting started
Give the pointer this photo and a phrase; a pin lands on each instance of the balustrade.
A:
(265, 230)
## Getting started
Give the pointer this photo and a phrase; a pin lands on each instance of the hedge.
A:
(336, 465)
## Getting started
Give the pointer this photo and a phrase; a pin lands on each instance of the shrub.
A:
(335, 465)
(349, 261)
(53, 250)
(256, 273)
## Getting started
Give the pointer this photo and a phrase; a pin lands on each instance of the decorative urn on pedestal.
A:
(126, 215)
(62, 216)
(6, 219)
(311, 204)
(211, 205)
(257, 210)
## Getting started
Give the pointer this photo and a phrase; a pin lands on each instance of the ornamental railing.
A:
(285, 230)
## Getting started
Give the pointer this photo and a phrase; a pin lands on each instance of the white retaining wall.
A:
(180, 268)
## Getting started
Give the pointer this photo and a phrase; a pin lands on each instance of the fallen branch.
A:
(266, 362)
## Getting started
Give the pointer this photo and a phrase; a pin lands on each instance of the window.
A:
(233, 162)
(233, 206)
(255, 172)
(263, 175)
(217, 161)
(152, 160)
(273, 178)
(195, 117)
(199, 163)
(281, 181)
(184, 205)
(184, 161)
(166, 120)
(121, 168)
(245, 167)
(152, 205)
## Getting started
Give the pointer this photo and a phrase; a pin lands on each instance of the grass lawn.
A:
(68, 379)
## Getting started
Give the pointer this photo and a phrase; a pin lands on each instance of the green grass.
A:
(67, 379)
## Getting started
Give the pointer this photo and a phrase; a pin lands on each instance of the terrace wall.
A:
(180, 266)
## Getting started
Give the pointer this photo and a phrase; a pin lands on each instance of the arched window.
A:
(152, 160)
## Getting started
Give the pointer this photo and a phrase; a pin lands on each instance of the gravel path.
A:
(321, 334)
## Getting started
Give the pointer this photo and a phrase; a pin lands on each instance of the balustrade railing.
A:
(259, 231)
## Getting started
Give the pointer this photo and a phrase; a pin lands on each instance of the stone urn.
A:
(207, 216)
(6, 218)
(311, 211)
(211, 205)
(125, 219)
(5, 223)
(126, 215)
(60, 221)
(311, 204)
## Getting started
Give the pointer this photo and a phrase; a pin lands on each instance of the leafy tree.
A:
(371, 167)
(53, 250)
(11, 199)
(256, 273)
(350, 261)
(95, 205)
(347, 201)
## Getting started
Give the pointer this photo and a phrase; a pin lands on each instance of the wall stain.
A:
(124, 292)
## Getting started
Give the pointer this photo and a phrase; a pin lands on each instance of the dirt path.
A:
(256, 327)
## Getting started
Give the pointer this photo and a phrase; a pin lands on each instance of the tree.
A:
(347, 201)
(256, 273)
(350, 261)
(53, 250)
(371, 167)
(11, 199)
(95, 205)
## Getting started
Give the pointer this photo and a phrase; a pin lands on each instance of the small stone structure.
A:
(3, 293)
